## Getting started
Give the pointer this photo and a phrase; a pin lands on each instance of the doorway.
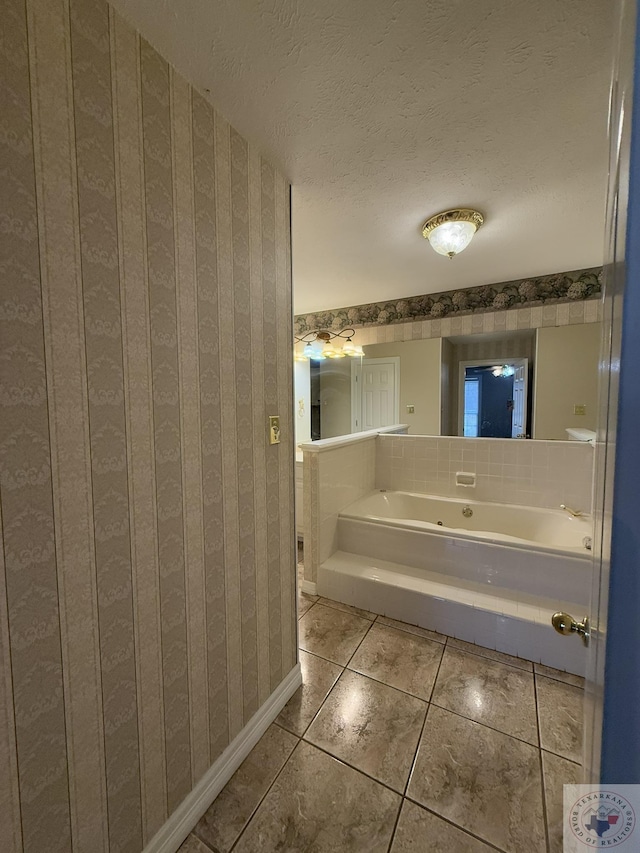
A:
(493, 399)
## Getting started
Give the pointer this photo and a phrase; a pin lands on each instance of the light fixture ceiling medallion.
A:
(451, 231)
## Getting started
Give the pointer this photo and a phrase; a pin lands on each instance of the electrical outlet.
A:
(411, 410)
(274, 429)
(579, 409)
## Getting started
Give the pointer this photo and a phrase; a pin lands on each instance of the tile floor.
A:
(399, 740)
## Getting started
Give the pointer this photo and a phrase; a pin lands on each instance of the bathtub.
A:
(520, 526)
(491, 574)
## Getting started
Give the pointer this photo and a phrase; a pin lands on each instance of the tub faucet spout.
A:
(576, 513)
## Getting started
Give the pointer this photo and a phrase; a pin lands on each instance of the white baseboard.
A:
(172, 833)
(309, 587)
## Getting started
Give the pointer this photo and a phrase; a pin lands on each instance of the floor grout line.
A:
(322, 704)
(424, 723)
(386, 684)
(249, 819)
(486, 657)
(333, 686)
(563, 757)
(263, 798)
(353, 767)
(485, 725)
(451, 823)
(329, 602)
(543, 785)
(558, 681)
(429, 703)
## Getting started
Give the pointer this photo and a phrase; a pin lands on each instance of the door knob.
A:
(566, 624)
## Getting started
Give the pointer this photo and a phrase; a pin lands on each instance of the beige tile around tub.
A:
(226, 817)
(348, 608)
(557, 772)
(560, 710)
(559, 675)
(492, 654)
(420, 831)
(488, 692)
(318, 677)
(370, 726)
(412, 629)
(317, 803)
(481, 780)
(399, 659)
(332, 634)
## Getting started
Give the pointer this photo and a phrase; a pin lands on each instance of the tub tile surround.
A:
(486, 594)
(369, 766)
(527, 473)
(336, 472)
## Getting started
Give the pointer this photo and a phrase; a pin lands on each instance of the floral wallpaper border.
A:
(524, 293)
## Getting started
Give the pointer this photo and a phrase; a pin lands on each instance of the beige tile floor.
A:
(400, 740)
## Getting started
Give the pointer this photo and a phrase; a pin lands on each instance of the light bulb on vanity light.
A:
(322, 344)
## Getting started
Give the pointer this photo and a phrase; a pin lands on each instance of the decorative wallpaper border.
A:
(523, 293)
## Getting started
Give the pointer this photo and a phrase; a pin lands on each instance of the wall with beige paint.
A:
(420, 381)
(147, 570)
(566, 373)
(449, 388)
(335, 397)
(302, 400)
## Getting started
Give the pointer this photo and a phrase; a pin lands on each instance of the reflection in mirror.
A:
(493, 399)
(422, 383)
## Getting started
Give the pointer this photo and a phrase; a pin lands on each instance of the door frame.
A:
(612, 714)
(356, 387)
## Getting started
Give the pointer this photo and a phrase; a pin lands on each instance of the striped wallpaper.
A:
(147, 567)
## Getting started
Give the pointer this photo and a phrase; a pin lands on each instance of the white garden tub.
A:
(525, 527)
(492, 574)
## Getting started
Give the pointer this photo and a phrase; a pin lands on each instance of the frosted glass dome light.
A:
(451, 232)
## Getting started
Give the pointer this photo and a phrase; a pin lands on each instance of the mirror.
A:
(537, 383)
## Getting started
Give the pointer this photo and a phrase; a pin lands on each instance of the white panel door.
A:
(378, 394)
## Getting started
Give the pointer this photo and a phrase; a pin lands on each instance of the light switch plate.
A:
(274, 429)
(410, 409)
(579, 409)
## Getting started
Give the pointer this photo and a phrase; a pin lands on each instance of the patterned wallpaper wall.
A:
(147, 569)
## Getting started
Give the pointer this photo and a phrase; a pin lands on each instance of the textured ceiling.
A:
(384, 112)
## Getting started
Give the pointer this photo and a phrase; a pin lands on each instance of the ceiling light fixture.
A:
(451, 231)
(317, 346)
(505, 370)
